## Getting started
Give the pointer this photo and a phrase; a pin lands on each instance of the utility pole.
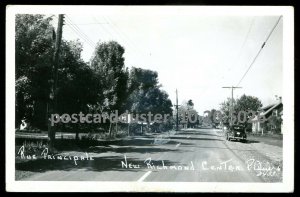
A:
(177, 120)
(232, 87)
(53, 91)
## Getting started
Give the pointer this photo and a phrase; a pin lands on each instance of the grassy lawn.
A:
(275, 140)
(44, 134)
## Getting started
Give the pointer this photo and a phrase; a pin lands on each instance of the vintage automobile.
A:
(236, 132)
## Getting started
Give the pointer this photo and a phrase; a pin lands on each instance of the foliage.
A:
(34, 49)
(187, 114)
(244, 103)
(274, 124)
(145, 93)
(101, 87)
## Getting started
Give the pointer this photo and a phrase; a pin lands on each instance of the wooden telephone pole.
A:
(177, 119)
(232, 87)
(53, 91)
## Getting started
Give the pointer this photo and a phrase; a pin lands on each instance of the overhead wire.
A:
(77, 30)
(262, 46)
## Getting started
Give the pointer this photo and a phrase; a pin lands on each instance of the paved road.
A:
(194, 155)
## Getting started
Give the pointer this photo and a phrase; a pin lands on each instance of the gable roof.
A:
(269, 108)
(272, 108)
(265, 108)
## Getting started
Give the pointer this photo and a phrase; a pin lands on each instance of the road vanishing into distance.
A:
(192, 155)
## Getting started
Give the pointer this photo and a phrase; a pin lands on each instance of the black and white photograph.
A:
(149, 98)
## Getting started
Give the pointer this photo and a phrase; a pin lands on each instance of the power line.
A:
(86, 23)
(240, 51)
(83, 38)
(80, 32)
(110, 32)
(77, 30)
(264, 43)
(131, 42)
(123, 37)
(243, 45)
(105, 30)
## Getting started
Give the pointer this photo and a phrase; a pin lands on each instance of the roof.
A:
(270, 109)
(266, 107)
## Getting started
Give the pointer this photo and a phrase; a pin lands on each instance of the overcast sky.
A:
(193, 53)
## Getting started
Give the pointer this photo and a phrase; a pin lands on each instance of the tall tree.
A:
(146, 95)
(76, 82)
(108, 63)
(34, 52)
(76, 89)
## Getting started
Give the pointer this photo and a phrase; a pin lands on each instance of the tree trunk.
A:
(148, 126)
(77, 133)
(51, 136)
(116, 129)
(128, 129)
(109, 130)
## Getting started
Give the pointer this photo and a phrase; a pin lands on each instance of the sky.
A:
(195, 54)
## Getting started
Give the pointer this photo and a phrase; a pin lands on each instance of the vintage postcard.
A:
(149, 98)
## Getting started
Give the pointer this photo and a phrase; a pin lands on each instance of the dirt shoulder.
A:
(266, 158)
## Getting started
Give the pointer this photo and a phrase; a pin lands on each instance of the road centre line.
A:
(144, 176)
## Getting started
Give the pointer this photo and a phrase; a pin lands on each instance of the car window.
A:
(238, 128)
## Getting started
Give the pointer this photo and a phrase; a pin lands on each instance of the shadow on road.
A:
(246, 142)
(101, 163)
(132, 149)
(196, 133)
(251, 141)
(200, 138)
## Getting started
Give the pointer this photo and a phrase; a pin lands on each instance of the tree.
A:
(190, 104)
(188, 115)
(34, 60)
(226, 108)
(34, 52)
(108, 64)
(76, 83)
(243, 104)
(145, 94)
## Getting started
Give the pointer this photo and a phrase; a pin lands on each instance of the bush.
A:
(34, 148)
(121, 133)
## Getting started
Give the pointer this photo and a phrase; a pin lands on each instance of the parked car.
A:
(236, 132)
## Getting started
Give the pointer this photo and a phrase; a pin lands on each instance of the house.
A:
(273, 114)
